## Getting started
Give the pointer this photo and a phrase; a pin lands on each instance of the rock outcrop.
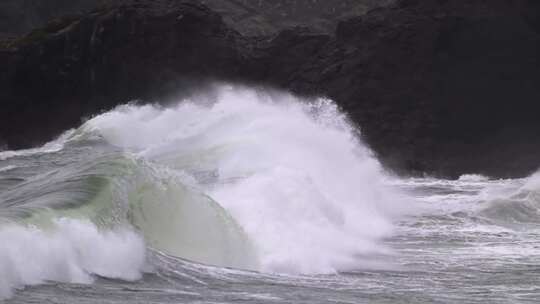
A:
(442, 87)
(20, 16)
(261, 17)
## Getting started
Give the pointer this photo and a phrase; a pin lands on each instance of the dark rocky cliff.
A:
(261, 17)
(443, 87)
(21, 16)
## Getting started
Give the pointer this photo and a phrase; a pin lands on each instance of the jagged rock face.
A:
(261, 17)
(447, 87)
(21, 16)
(265, 17)
(444, 87)
(77, 67)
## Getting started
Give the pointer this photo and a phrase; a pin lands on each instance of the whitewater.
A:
(253, 195)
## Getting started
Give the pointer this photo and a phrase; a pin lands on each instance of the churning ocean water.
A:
(251, 196)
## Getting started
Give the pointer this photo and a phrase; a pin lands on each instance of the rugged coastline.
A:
(416, 76)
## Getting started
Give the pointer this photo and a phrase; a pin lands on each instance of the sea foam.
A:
(72, 251)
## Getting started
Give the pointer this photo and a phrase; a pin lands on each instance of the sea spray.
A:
(242, 178)
(293, 173)
(71, 251)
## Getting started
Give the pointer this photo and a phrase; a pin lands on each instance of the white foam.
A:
(532, 183)
(7, 168)
(292, 172)
(50, 147)
(473, 178)
(71, 251)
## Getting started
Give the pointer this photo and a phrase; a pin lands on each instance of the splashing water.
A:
(250, 179)
(254, 196)
(72, 251)
(293, 174)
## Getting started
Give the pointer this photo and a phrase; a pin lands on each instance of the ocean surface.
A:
(241, 195)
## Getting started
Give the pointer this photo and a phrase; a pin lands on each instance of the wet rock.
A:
(443, 87)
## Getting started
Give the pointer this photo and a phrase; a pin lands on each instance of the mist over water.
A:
(248, 179)
(292, 173)
(252, 195)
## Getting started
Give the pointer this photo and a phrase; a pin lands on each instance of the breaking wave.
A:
(242, 178)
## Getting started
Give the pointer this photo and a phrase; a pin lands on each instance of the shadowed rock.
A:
(444, 87)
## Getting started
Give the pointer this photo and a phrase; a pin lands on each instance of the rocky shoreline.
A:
(437, 87)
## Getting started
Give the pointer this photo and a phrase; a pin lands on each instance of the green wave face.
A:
(116, 190)
(190, 225)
